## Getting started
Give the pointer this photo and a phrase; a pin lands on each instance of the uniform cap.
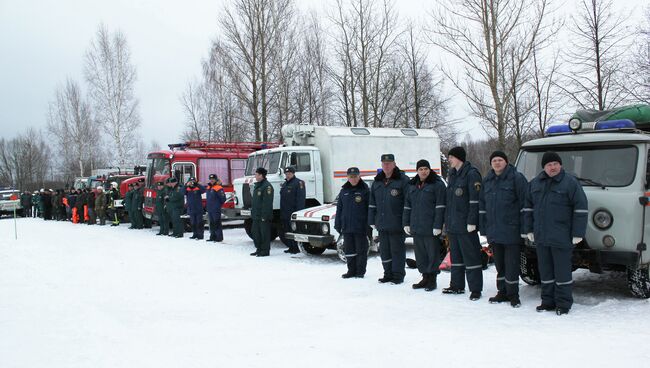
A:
(498, 154)
(290, 169)
(261, 170)
(459, 153)
(550, 156)
(423, 163)
(213, 177)
(354, 171)
(388, 157)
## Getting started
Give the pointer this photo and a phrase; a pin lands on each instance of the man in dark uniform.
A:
(424, 212)
(501, 220)
(215, 198)
(193, 192)
(352, 222)
(90, 200)
(26, 202)
(385, 212)
(137, 201)
(111, 196)
(461, 219)
(128, 199)
(174, 206)
(556, 220)
(81, 198)
(262, 213)
(292, 199)
(163, 221)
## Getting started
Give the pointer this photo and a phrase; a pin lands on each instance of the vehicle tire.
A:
(309, 249)
(248, 226)
(528, 269)
(638, 280)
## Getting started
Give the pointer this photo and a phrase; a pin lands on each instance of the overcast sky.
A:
(43, 42)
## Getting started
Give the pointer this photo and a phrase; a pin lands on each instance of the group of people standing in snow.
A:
(550, 211)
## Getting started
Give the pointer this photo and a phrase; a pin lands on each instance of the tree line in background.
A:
(358, 64)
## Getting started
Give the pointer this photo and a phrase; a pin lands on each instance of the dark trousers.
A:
(507, 260)
(286, 227)
(466, 261)
(216, 228)
(196, 219)
(102, 216)
(92, 220)
(177, 224)
(555, 266)
(427, 253)
(356, 253)
(393, 254)
(138, 220)
(163, 222)
(261, 232)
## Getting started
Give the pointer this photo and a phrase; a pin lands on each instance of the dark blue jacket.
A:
(424, 209)
(292, 197)
(556, 209)
(352, 209)
(501, 206)
(215, 198)
(193, 198)
(387, 201)
(462, 199)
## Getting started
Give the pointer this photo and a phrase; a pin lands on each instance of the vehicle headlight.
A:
(325, 228)
(603, 219)
(293, 226)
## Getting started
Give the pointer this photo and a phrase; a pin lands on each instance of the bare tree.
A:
(493, 40)
(24, 160)
(70, 122)
(639, 84)
(595, 80)
(111, 79)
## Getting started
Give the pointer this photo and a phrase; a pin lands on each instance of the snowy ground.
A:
(82, 296)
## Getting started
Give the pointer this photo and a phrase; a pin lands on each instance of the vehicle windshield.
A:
(269, 161)
(157, 170)
(613, 166)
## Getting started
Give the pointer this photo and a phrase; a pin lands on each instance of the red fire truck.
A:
(199, 159)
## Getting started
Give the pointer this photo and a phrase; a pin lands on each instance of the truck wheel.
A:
(528, 269)
(248, 226)
(638, 280)
(308, 248)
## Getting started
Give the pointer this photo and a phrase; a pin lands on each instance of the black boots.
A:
(432, 282)
(451, 290)
(499, 298)
(475, 295)
(545, 308)
(347, 275)
(385, 279)
(422, 283)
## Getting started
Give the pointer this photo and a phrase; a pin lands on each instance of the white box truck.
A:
(321, 156)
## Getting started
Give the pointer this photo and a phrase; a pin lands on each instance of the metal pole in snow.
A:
(15, 225)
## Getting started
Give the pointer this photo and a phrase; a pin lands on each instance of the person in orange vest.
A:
(215, 197)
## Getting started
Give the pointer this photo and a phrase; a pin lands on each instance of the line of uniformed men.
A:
(551, 211)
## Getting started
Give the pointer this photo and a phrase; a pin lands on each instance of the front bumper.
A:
(321, 241)
(9, 206)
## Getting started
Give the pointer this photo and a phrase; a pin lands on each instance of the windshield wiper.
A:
(591, 182)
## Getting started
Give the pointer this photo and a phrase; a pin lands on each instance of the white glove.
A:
(471, 228)
(523, 236)
(373, 227)
(576, 240)
(437, 232)
(530, 237)
(407, 230)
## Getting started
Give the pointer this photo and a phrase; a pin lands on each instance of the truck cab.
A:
(610, 157)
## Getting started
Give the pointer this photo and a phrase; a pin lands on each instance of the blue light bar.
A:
(615, 124)
(558, 129)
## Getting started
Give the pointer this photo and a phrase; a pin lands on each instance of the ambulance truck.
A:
(609, 153)
(321, 156)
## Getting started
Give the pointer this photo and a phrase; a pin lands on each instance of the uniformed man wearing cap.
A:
(424, 214)
(352, 222)
(461, 220)
(137, 201)
(556, 221)
(215, 198)
(174, 206)
(262, 213)
(385, 211)
(128, 197)
(193, 192)
(161, 213)
(502, 200)
(292, 199)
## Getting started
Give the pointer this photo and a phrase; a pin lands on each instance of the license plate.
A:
(301, 238)
(245, 212)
